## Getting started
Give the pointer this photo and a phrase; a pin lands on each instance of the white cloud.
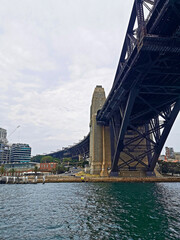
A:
(53, 53)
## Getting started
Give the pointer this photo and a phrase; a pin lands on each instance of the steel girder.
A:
(150, 64)
(146, 87)
(157, 92)
(159, 26)
(135, 33)
(81, 148)
(146, 143)
(123, 128)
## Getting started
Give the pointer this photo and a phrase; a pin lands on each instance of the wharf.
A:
(54, 179)
(78, 179)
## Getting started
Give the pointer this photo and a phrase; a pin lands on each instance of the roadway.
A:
(72, 171)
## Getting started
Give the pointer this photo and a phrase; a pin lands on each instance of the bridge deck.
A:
(144, 99)
(154, 61)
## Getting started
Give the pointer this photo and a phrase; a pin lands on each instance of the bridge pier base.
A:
(95, 147)
(114, 174)
(150, 174)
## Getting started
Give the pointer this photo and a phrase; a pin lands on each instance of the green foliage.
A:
(169, 167)
(2, 170)
(12, 171)
(74, 162)
(165, 168)
(84, 163)
(36, 158)
(61, 162)
(54, 170)
(36, 169)
(47, 159)
(66, 160)
(60, 169)
(43, 159)
(57, 160)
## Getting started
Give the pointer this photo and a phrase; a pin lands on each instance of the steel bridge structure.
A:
(145, 96)
(78, 149)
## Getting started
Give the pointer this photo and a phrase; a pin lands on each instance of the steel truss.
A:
(136, 30)
(144, 100)
(146, 143)
(81, 148)
(142, 25)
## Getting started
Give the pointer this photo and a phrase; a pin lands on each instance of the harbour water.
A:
(90, 211)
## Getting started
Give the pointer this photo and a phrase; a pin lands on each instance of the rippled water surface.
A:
(90, 211)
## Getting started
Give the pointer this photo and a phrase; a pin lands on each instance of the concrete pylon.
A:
(100, 153)
(106, 163)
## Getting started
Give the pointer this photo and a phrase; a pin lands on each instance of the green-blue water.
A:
(90, 211)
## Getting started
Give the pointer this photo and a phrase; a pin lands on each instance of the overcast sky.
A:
(52, 55)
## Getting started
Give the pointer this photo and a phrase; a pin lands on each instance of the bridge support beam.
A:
(100, 153)
(168, 125)
(124, 124)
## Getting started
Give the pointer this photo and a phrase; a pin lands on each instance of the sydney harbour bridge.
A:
(128, 129)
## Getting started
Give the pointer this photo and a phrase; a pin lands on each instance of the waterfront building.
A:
(4, 147)
(47, 166)
(170, 153)
(4, 153)
(20, 152)
(3, 136)
(27, 166)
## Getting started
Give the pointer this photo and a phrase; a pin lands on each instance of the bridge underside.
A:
(144, 101)
(79, 150)
(147, 106)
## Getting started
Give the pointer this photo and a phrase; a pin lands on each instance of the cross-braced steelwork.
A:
(145, 97)
(144, 100)
(79, 149)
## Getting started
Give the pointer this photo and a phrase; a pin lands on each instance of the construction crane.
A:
(13, 131)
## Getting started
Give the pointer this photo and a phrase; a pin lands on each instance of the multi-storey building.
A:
(20, 152)
(17, 152)
(4, 153)
(170, 153)
(4, 147)
(3, 135)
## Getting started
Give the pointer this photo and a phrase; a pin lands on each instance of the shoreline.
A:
(89, 179)
(108, 179)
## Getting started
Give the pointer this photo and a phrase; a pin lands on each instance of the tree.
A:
(84, 163)
(36, 158)
(35, 170)
(2, 170)
(165, 168)
(67, 160)
(57, 160)
(54, 170)
(47, 159)
(12, 171)
(61, 169)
